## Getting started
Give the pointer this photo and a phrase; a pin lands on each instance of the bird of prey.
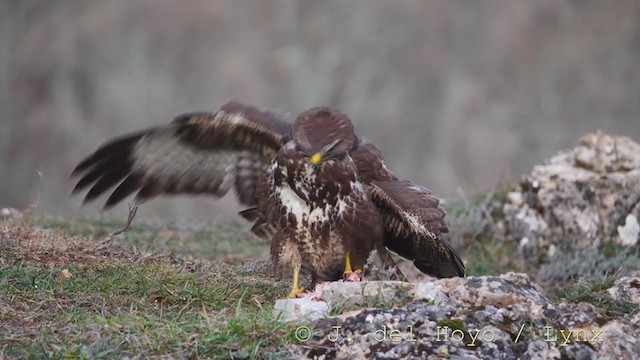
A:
(323, 196)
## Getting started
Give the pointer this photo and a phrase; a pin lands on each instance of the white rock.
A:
(515, 198)
(375, 293)
(299, 309)
(10, 213)
(626, 289)
(552, 250)
(430, 292)
(628, 234)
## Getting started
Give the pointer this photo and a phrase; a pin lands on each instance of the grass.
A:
(487, 251)
(491, 254)
(594, 291)
(204, 241)
(183, 290)
(61, 296)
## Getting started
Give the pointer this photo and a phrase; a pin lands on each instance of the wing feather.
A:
(370, 163)
(126, 188)
(109, 178)
(415, 227)
(195, 153)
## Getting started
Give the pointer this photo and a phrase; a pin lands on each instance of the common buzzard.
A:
(323, 196)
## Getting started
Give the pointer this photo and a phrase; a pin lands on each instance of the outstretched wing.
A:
(414, 227)
(195, 153)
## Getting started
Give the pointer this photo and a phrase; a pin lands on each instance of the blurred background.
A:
(461, 96)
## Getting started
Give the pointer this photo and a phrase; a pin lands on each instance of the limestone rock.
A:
(503, 290)
(378, 293)
(488, 317)
(626, 289)
(605, 153)
(576, 216)
(630, 232)
(299, 310)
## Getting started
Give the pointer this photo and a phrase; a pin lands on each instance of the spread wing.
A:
(414, 227)
(195, 153)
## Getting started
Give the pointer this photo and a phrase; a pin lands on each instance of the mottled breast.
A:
(311, 201)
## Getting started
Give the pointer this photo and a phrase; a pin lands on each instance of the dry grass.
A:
(61, 296)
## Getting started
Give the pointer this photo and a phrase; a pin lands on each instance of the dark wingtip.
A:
(76, 171)
(106, 166)
(86, 201)
(441, 269)
(114, 146)
(250, 214)
(446, 264)
(84, 164)
(455, 266)
(108, 206)
(126, 188)
(459, 265)
(76, 189)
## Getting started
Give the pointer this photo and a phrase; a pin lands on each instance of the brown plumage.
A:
(323, 196)
(195, 153)
(414, 227)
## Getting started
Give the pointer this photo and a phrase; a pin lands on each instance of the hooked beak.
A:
(315, 159)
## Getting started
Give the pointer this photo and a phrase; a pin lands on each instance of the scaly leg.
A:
(296, 289)
(347, 267)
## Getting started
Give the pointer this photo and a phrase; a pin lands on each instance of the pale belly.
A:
(319, 246)
(327, 261)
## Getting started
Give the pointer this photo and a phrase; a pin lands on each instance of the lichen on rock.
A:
(487, 317)
(576, 216)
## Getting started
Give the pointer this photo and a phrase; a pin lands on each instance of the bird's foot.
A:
(295, 292)
(348, 274)
(353, 276)
(295, 288)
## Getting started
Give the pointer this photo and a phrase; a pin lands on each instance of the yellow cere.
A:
(315, 159)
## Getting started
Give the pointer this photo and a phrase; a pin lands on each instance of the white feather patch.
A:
(292, 202)
(414, 223)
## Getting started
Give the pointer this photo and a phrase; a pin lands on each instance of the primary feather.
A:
(196, 153)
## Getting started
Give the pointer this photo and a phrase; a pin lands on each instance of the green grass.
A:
(491, 254)
(63, 297)
(183, 290)
(594, 291)
(473, 231)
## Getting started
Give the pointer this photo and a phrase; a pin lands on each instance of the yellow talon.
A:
(347, 266)
(294, 293)
(296, 289)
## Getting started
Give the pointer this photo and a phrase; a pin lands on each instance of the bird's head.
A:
(322, 134)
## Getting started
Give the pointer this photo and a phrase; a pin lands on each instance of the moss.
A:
(453, 324)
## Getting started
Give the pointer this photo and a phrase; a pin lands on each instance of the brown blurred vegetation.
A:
(458, 94)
